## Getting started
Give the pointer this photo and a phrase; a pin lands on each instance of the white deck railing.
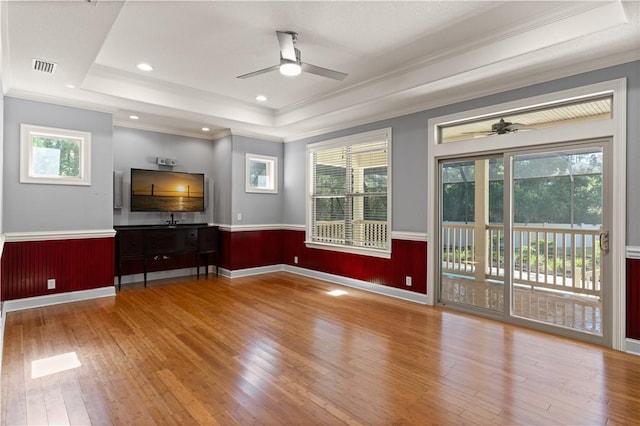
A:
(368, 233)
(544, 257)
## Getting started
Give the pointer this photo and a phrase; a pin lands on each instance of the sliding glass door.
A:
(471, 217)
(523, 237)
(559, 237)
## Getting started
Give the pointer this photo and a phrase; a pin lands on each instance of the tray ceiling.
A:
(401, 57)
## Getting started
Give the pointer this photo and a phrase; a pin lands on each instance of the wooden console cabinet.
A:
(150, 248)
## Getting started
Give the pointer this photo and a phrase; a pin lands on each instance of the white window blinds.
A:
(350, 192)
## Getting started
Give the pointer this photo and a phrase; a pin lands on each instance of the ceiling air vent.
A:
(44, 66)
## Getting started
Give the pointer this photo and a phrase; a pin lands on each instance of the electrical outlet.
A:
(295, 259)
(184, 216)
(408, 281)
(51, 283)
(239, 217)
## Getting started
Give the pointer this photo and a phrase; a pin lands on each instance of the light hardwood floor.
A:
(277, 349)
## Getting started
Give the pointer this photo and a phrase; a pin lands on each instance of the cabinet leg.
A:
(119, 278)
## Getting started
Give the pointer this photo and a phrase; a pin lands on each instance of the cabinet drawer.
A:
(191, 239)
(164, 240)
(130, 244)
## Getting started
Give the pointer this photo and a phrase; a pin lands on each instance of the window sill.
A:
(363, 251)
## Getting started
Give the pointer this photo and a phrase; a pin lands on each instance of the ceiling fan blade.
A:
(287, 50)
(519, 126)
(324, 72)
(262, 71)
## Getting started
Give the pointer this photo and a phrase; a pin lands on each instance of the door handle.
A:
(604, 242)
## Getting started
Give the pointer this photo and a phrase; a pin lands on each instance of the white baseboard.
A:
(250, 271)
(337, 279)
(384, 290)
(158, 275)
(632, 346)
(55, 299)
(1, 337)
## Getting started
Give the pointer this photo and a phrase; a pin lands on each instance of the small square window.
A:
(54, 156)
(262, 174)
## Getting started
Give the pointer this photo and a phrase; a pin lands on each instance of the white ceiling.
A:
(401, 57)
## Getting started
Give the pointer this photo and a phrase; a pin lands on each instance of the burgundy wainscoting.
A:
(408, 258)
(251, 249)
(633, 298)
(76, 264)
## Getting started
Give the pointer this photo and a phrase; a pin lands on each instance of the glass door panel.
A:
(557, 217)
(472, 233)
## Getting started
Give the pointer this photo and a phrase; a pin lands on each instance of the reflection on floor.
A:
(568, 310)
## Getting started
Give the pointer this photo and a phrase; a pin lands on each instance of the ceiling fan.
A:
(290, 63)
(502, 127)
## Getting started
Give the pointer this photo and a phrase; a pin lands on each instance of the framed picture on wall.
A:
(261, 174)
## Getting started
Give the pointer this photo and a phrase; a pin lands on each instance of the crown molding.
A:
(426, 101)
(171, 131)
(57, 100)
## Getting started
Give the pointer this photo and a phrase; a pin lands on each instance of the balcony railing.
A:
(366, 233)
(553, 258)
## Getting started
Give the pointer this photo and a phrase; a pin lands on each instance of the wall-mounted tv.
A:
(166, 191)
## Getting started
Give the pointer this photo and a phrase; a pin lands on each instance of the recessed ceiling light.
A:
(134, 117)
(205, 129)
(261, 98)
(144, 67)
(70, 86)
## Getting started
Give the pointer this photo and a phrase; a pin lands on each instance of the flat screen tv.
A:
(166, 191)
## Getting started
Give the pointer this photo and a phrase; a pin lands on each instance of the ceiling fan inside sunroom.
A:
(290, 62)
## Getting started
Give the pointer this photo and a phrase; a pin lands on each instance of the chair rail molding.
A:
(633, 252)
(12, 237)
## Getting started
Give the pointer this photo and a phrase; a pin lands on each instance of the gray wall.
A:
(409, 156)
(1, 163)
(38, 207)
(294, 196)
(134, 148)
(222, 180)
(256, 209)
(410, 151)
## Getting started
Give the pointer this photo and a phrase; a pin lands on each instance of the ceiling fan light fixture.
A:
(290, 69)
(144, 67)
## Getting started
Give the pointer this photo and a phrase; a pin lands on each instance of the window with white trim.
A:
(54, 156)
(349, 194)
(262, 174)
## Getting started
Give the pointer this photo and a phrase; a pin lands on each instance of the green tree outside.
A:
(68, 153)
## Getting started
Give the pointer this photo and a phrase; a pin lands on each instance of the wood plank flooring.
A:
(277, 349)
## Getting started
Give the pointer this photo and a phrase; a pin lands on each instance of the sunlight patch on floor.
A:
(54, 364)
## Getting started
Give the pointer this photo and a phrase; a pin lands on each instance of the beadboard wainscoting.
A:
(633, 300)
(247, 248)
(77, 260)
